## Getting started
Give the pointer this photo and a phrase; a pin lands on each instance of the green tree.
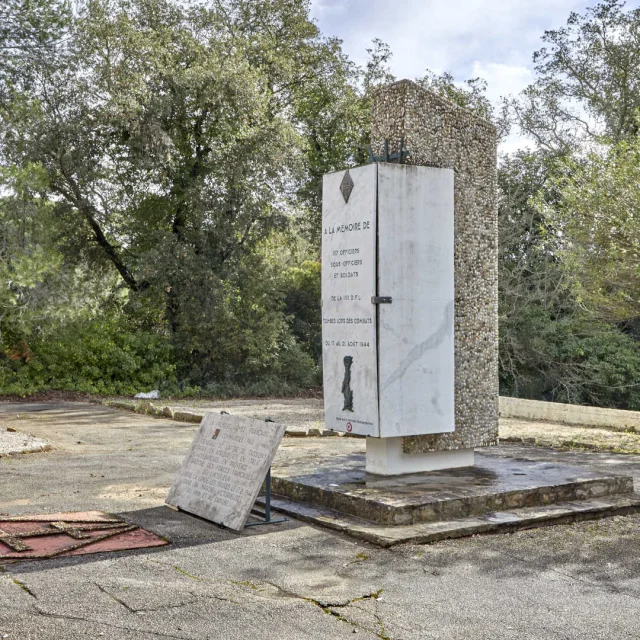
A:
(531, 280)
(173, 145)
(28, 258)
(333, 116)
(29, 30)
(556, 343)
(587, 83)
(303, 306)
(471, 94)
(598, 214)
(41, 280)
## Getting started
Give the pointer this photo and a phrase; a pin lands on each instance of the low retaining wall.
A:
(535, 410)
(569, 414)
(195, 415)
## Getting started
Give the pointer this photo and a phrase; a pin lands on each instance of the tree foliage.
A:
(30, 30)
(587, 83)
(161, 167)
(333, 117)
(173, 139)
(471, 94)
(569, 262)
(598, 213)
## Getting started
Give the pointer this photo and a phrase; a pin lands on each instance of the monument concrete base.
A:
(385, 457)
(495, 494)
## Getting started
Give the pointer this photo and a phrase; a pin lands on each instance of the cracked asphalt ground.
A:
(289, 581)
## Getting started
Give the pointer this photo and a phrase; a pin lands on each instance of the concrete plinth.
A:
(341, 483)
(495, 494)
(385, 457)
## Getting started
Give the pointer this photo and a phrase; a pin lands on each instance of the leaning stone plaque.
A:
(223, 472)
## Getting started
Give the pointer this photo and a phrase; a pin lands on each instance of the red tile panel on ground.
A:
(55, 535)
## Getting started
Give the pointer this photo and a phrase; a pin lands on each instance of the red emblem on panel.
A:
(349, 427)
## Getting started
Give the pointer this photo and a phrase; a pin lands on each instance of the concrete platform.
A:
(495, 494)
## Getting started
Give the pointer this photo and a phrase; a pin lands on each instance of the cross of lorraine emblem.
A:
(346, 186)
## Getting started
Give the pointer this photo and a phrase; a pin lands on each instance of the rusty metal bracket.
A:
(399, 156)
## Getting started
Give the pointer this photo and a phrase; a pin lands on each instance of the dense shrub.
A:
(103, 355)
(571, 358)
(303, 306)
(235, 334)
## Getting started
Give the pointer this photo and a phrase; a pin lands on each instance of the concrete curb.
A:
(534, 410)
(567, 445)
(570, 414)
(145, 407)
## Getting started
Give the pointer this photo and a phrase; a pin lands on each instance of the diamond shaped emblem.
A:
(346, 186)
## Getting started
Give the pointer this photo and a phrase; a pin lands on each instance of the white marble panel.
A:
(348, 316)
(223, 472)
(415, 268)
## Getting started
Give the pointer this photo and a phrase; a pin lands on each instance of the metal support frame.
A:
(399, 157)
(267, 506)
(267, 502)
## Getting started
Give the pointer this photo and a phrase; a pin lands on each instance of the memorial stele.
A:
(225, 467)
(409, 287)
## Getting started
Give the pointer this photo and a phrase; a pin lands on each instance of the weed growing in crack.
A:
(184, 573)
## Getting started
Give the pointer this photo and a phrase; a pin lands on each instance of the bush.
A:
(572, 358)
(608, 364)
(103, 355)
(255, 332)
(235, 334)
(302, 299)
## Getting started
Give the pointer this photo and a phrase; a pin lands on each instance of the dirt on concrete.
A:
(13, 441)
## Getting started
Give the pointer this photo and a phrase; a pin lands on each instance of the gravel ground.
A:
(307, 413)
(18, 442)
(293, 412)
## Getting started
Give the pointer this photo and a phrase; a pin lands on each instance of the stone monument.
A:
(410, 302)
(410, 348)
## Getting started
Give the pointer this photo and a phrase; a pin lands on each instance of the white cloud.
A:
(322, 9)
(502, 79)
(469, 38)
(514, 142)
(440, 34)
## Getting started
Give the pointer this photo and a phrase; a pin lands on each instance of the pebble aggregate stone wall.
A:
(438, 133)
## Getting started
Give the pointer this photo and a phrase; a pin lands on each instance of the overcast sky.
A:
(492, 39)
